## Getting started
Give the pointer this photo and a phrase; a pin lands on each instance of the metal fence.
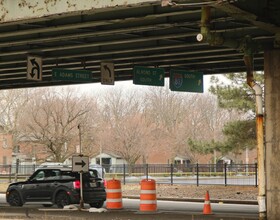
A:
(188, 174)
(192, 174)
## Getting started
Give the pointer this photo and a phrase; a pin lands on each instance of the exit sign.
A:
(148, 76)
(184, 81)
(72, 75)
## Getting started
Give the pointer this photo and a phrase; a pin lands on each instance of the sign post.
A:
(80, 164)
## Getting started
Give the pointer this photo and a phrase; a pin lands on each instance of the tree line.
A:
(130, 123)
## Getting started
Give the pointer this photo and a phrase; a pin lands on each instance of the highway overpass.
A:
(45, 43)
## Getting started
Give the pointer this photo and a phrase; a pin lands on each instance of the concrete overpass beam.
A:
(272, 131)
(29, 9)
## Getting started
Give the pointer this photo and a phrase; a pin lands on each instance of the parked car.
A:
(58, 186)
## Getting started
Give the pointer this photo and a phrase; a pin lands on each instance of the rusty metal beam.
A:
(240, 14)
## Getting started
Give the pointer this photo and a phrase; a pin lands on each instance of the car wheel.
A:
(47, 205)
(62, 199)
(14, 199)
(98, 204)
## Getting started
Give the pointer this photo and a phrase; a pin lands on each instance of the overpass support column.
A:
(272, 132)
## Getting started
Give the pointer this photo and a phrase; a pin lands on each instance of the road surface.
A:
(165, 210)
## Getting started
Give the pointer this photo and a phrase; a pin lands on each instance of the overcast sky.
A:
(97, 88)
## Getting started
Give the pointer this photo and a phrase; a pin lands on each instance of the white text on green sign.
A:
(72, 75)
(148, 76)
(184, 81)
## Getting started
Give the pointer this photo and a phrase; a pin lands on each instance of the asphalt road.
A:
(165, 210)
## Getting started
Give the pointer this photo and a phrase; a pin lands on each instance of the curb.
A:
(225, 201)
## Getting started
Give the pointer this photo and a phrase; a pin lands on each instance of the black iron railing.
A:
(191, 174)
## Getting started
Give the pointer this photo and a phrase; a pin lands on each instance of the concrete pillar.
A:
(272, 132)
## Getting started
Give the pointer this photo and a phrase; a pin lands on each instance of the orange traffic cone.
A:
(207, 206)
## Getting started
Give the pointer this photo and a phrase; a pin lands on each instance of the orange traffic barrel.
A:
(148, 200)
(114, 194)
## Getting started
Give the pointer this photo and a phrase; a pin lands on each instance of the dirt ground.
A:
(191, 191)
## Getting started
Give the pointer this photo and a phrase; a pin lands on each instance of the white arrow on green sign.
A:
(184, 81)
(148, 76)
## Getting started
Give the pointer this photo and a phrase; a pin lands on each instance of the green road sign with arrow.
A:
(148, 76)
(184, 81)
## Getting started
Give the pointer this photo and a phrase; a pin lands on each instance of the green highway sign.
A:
(184, 81)
(72, 75)
(148, 76)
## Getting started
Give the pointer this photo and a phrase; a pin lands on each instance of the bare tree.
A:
(12, 104)
(125, 130)
(130, 138)
(52, 120)
(164, 108)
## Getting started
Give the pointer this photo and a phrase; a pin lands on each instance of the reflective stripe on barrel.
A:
(148, 200)
(114, 194)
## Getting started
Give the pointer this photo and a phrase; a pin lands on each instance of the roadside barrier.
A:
(148, 200)
(207, 206)
(114, 194)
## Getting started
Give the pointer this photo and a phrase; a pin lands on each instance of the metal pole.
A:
(197, 175)
(10, 173)
(225, 167)
(81, 191)
(124, 174)
(248, 59)
(80, 139)
(147, 171)
(100, 152)
(171, 173)
(17, 168)
(256, 174)
(81, 172)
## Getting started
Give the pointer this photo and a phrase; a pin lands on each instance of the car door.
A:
(31, 190)
(52, 182)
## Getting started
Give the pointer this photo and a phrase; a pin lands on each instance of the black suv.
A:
(60, 186)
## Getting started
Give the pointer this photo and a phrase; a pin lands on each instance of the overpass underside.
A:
(80, 34)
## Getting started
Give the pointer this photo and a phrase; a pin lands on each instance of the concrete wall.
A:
(13, 10)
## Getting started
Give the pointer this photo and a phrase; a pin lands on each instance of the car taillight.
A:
(77, 184)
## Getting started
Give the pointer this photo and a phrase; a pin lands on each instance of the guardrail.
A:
(193, 174)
